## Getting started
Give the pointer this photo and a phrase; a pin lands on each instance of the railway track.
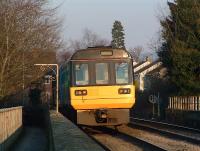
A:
(136, 139)
(173, 131)
(113, 139)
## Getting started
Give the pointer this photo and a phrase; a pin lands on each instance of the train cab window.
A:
(101, 73)
(121, 71)
(81, 71)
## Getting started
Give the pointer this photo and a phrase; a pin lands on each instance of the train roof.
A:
(99, 53)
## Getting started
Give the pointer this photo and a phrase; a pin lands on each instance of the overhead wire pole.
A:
(57, 79)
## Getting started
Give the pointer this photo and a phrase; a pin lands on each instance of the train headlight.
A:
(124, 91)
(80, 92)
(84, 92)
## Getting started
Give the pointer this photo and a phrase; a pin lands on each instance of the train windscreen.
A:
(82, 74)
(121, 72)
(102, 73)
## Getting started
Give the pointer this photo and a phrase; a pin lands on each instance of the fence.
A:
(10, 124)
(188, 103)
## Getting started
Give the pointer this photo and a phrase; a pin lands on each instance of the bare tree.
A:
(29, 33)
(136, 52)
(89, 39)
(155, 43)
(64, 55)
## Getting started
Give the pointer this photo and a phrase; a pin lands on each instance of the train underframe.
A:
(103, 117)
(98, 117)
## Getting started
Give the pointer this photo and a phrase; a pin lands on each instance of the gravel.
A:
(159, 140)
(115, 143)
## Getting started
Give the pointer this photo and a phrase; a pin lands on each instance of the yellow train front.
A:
(96, 86)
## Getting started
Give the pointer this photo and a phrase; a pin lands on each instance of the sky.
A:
(138, 17)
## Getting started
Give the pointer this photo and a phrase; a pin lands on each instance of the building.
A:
(145, 69)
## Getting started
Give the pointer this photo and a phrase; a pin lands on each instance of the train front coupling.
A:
(101, 116)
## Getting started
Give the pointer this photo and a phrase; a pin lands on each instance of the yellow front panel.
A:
(102, 97)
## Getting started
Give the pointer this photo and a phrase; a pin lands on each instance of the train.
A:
(96, 86)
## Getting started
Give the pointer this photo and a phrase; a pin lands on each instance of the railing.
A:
(10, 123)
(188, 103)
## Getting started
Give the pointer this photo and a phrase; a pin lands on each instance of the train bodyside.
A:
(96, 87)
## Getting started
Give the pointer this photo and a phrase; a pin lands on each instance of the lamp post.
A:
(57, 76)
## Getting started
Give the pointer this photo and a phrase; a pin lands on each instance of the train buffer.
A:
(56, 133)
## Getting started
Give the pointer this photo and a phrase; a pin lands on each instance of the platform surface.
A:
(68, 137)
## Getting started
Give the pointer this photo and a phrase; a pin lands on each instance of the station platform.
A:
(68, 137)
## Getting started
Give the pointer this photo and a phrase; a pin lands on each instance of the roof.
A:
(146, 67)
(156, 70)
(139, 64)
(95, 53)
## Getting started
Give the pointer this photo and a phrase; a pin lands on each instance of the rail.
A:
(120, 135)
(10, 124)
(175, 131)
(184, 128)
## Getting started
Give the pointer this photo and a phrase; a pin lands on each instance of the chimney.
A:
(148, 59)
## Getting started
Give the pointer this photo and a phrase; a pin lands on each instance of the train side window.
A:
(121, 70)
(81, 71)
(101, 73)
